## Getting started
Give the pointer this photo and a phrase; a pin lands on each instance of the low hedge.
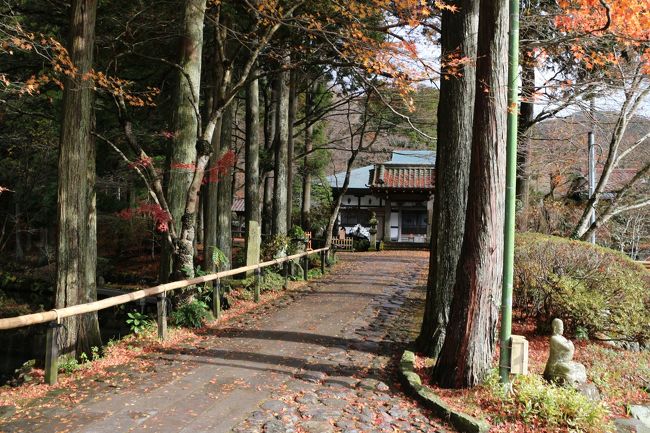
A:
(593, 289)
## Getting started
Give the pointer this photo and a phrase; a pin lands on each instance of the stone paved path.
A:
(322, 361)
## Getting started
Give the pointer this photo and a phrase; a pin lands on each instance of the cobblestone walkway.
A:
(351, 386)
(319, 361)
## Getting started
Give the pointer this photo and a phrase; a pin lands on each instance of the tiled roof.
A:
(238, 205)
(359, 176)
(402, 176)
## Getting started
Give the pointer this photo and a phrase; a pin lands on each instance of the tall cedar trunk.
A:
(252, 173)
(213, 73)
(309, 136)
(525, 122)
(293, 107)
(466, 355)
(280, 144)
(77, 239)
(183, 155)
(224, 185)
(270, 112)
(210, 210)
(455, 115)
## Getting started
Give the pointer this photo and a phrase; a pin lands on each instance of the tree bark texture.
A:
(224, 186)
(252, 174)
(293, 108)
(466, 354)
(182, 156)
(306, 172)
(270, 113)
(455, 116)
(212, 198)
(77, 238)
(281, 163)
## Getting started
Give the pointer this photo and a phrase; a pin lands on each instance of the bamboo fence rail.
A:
(54, 316)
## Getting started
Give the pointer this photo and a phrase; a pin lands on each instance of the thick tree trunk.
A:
(293, 107)
(183, 264)
(525, 122)
(77, 239)
(281, 166)
(183, 156)
(306, 176)
(466, 355)
(252, 173)
(224, 184)
(270, 113)
(455, 115)
(212, 198)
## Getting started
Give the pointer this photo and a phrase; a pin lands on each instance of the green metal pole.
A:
(511, 174)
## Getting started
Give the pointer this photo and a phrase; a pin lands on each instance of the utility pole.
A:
(592, 181)
(511, 179)
(591, 142)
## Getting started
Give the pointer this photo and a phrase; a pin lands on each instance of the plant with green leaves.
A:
(137, 321)
(598, 292)
(541, 405)
(276, 247)
(191, 315)
(219, 259)
(69, 365)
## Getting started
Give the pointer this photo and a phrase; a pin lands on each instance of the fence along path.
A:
(54, 316)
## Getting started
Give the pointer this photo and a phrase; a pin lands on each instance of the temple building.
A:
(399, 192)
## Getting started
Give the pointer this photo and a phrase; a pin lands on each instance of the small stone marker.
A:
(518, 355)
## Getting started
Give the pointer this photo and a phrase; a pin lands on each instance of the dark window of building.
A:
(414, 223)
(352, 217)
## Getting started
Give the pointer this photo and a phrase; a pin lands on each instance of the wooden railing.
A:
(645, 264)
(54, 316)
(343, 244)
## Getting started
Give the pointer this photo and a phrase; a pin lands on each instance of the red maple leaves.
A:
(160, 216)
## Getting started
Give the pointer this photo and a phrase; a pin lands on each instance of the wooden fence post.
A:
(258, 285)
(161, 304)
(322, 262)
(52, 353)
(285, 267)
(305, 268)
(216, 298)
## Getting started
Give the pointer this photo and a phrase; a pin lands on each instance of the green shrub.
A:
(69, 365)
(137, 321)
(361, 245)
(297, 232)
(277, 246)
(314, 273)
(541, 404)
(270, 281)
(594, 289)
(192, 314)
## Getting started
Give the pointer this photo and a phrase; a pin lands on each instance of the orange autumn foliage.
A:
(626, 23)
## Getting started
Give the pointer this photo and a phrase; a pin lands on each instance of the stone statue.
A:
(560, 366)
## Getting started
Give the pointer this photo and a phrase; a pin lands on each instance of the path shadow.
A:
(300, 337)
(243, 360)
